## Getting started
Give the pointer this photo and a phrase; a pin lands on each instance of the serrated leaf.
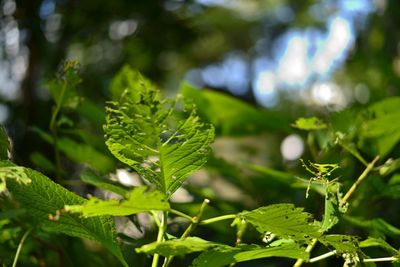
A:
(63, 88)
(378, 242)
(178, 246)
(42, 197)
(137, 201)
(284, 220)
(227, 255)
(147, 134)
(10, 172)
(89, 177)
(341, 243)
(312, 123)
(4, 144)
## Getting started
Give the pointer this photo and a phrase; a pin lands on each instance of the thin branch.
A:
(179, 213)
(323, 256)
(20, 247)
(357, 183)
(217, 219)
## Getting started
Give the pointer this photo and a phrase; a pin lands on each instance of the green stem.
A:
(309, 248)
(352, 152)
(195, 221)
(53, 129)
(380, 259)
(179, 213)
(20, 247)
(357, 183)
(160, 236)
(323, 256)
(217, 219)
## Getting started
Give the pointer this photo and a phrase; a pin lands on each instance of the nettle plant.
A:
(164, 141)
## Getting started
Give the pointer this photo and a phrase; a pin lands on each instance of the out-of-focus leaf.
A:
(223, 256)
(63, 88)
(4, 144)
(146, 133)
(312, 123)
(42, 197)
(284, 220)
(279, 176)
(137, 201)
(389, 166)
(376, 224)
(380, 123)
(378, 242)
(106, 184)
(231, 116)
(41, 161)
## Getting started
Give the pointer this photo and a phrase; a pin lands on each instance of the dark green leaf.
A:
(4, 144)
(42, 197)
(378, 242)
(106, 184)
(137, 201)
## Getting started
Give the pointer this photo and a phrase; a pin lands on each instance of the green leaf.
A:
(378, 242)
(217, 108)
(42, 197)
(284, 220)
(147, 134)
(138, 201)
(312, 123)
(10, 172)
(4, 144)
(341, 243)
(91, 178)
(42, 161)
(227, 255)
(332, 210)
(375, 225)
(63, 88)
(379, 122)
(178, 246)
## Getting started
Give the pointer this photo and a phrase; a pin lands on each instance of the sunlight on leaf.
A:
(312, 123)
(138, 201)
(148, 134)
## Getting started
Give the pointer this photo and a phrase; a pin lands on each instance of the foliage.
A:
(303, 213)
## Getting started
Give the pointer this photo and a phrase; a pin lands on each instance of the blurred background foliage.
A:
(262, 64)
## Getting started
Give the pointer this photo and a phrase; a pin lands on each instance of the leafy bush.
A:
(166, 141)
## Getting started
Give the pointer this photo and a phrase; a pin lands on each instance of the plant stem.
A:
(217, 219)
(53, 129)
(20, 247)
(177, 212)
(160, 236)
(380, 259)
(357, 183)
(323, 256)
(195, 221)
(309, 248)
(354, 153)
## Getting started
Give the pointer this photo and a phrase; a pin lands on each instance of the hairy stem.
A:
(323, 256)
(20, 247)
(160, 236)
(380, 259)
